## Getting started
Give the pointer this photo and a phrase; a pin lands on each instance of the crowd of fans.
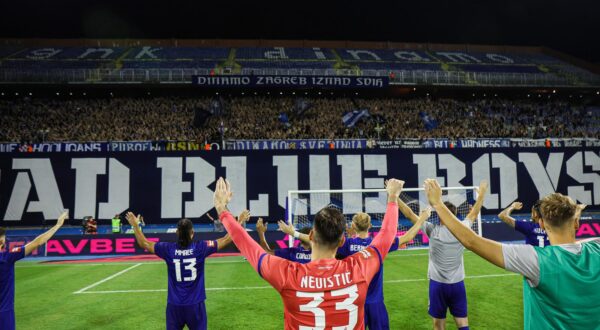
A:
(157, 118)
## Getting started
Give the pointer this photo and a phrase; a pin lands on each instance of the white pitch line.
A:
(117, 263)
(107, 279)
(84, 264)
(269, 287)
(466, 277)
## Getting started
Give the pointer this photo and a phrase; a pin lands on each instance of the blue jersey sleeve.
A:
(16, 254)
(209, 247)
(283, 253)
(523, 227)
(344, 250)
(396, 245)
(161, 249)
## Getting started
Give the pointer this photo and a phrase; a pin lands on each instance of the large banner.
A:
(290, 81)
(166, 186)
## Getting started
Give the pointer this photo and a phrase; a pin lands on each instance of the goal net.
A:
(302, 205)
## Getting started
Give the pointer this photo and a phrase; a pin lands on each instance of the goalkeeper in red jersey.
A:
(325, 293)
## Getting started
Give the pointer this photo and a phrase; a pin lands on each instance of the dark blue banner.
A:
(291, 81)
(166, 186)
(314, 144)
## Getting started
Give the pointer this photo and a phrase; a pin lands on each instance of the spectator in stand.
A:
(91, 226)
(160, 118)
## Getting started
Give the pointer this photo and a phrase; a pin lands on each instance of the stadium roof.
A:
(557, 24)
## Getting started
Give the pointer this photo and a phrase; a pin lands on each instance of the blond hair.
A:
(558, 209)
(361, 221)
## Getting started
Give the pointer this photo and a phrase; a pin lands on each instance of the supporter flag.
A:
(430, 122)
(351, 118)
(222, 128)
(284, 119)
(216, 107)
(301, 106)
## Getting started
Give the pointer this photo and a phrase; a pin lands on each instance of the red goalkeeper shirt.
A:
(326, 294)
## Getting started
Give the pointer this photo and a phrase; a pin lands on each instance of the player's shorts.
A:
(194, 316)
(7, 320)
(443, 296)
(376, 316)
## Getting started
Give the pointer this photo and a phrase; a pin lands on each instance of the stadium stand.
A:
(516, 67)
(30, 120)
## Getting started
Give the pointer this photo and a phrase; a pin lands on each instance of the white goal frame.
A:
(340, 191)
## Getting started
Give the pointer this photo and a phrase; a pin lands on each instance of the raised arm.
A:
(43, 238)
(223, 242)
(137, 231)
(407, 211)
(474, 212)
(261, 228)
(289, 229)
(414, 230)
(248, 247)
(485, 248)
(384, 240)
(505, 214)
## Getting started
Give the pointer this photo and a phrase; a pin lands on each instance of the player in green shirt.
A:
(562, 281)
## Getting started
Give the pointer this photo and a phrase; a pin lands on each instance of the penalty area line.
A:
(269, 287)
(107, 279)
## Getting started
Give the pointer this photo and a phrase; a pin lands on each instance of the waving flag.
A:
(284, 119)
(352, 117)
(430, 122)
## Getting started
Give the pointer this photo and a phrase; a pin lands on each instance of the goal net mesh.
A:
(303, 205)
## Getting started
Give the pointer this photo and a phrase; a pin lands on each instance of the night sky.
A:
(569, 26)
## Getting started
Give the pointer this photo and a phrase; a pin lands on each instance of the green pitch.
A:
(133, 296)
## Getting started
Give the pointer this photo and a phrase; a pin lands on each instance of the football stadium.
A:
(299, 166)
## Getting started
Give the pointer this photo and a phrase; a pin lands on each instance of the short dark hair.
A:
(451, 207)
(305, 230)
(2, 231)
(558, 210)
(329, 227)
(184, 233)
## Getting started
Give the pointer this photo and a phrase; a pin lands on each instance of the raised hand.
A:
(286, 227)
(433, 191)
(517, 205)
(61, 219)
(222, 195)
(132, 219)
(394, 187)
(243, 217)
(483, 187)
(425, 214)
(260, 226)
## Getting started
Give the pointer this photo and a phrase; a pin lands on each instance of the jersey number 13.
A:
(188, 264)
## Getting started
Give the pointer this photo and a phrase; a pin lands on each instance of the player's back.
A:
(357, 244)
(327, 291)
(568, 292)
(7, 277)
(445, 254)
(534, 234)
(185, 270)
(296, 254)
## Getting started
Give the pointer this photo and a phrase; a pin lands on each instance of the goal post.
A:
(302, 205)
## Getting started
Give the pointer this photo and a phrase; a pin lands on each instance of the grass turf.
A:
(237, 298)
